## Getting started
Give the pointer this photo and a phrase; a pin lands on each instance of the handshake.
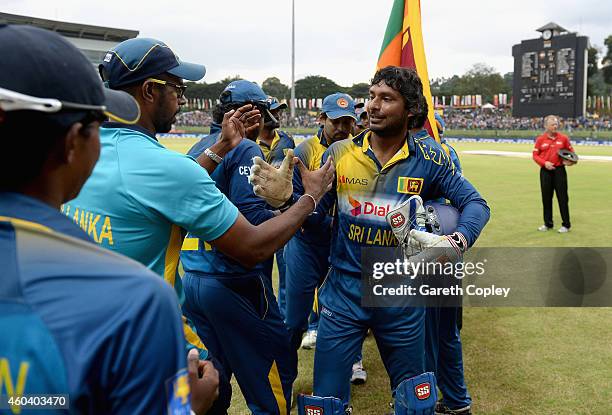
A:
(275, 185)
(420, 230)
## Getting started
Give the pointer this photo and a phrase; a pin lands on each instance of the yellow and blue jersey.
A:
(231, 178)
(276, 151)
(77, 319)
(317, 228)
(139, 198)
(365, 191)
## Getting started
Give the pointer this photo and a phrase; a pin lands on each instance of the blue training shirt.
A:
(365, 191)
(141, 196)
(231, 177)
(80, 320)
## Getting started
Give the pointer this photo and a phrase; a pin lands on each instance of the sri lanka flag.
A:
(403, 46)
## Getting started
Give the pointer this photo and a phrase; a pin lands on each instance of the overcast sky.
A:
(340, 39)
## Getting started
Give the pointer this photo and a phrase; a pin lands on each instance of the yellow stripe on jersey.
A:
(190, 335)
(26, 224)
(190, 244)
(277, 389)
(173, 252)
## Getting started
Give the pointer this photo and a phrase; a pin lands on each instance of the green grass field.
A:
(596, 135)
(517, 360)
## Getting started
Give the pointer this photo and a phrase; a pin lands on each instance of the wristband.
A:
(213, 156)
(313, 201)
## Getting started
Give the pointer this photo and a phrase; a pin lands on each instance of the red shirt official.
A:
(547, 148)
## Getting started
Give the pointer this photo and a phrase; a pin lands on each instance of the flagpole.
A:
(292, 106)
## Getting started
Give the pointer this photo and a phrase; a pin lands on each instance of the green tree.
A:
(607, 61)
(484, 80)
(274, 87)
(315, 86)
(360, 90)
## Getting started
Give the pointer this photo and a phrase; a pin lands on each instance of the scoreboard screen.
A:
(550, 77)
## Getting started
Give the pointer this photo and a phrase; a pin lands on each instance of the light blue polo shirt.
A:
(141, 194)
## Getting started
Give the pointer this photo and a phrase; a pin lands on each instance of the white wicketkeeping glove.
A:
(435, 248)
(273, 185)
(405, 217)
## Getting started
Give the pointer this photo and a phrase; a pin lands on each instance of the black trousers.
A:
(551, 182)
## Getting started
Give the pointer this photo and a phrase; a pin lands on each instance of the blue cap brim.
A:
(188, 71)
(278, 106)
(338, 113)
(121, 107)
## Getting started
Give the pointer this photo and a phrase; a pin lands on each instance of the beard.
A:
(390, 129)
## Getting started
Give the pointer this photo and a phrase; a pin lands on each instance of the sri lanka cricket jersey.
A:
(365, 191)
(231, 177)
(275, 152)
(310, 152)
(77, 319)
(141, 195)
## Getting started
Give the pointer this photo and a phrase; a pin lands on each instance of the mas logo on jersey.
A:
(422, 391)
(397, 220)
(313, 410)
(409, 185)
(178, 392)
(342, 103)
(361, 181)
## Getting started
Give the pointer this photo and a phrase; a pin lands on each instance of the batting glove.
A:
(273, 185)
(405, 217)
(436, 248)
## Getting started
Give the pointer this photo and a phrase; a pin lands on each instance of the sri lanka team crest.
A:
(179, 394)
(342, 103)
(409, 185)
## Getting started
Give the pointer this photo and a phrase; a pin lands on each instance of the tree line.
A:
(480, 79)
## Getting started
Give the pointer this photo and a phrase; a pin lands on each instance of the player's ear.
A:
(146, 91)
(68, 148)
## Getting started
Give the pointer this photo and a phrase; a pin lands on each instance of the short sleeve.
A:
(177, 188)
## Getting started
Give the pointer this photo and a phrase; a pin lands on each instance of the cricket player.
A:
(376, 171)
(233, 307)
(444, 352)
(141, 196)
(75, 319)
(274, 144)
(307, 253)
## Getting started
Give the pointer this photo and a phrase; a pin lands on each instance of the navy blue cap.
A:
(339, 105)
(275, 105)
(137, 59)
(243, 91)
(360, 116)
(39, 64)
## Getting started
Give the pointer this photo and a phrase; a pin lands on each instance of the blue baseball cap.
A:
(43, 72)
(275, 105)
(137, 59)
(247, 92)
(339, 105)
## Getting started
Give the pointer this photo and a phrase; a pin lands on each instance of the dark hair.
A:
(408, 84)
(29, 139)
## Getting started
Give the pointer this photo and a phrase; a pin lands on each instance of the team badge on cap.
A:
(342, 103)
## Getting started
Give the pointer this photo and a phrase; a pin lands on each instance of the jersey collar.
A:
(363, 141)
(134, 127)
